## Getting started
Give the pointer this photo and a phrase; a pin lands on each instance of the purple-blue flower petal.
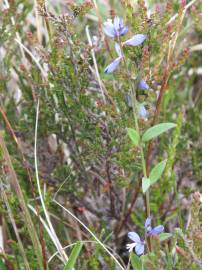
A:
(115, 28)
(142, 111)
(157, 230)
(124, 30)
(143, 85)
(139, 248)
(118, 23)
(113, 66)
(109, 29)
(134, 237)
(135, 40)
(147, 225)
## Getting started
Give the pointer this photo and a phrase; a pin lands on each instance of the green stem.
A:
(134, 104)
(135, 113)
(128, 265)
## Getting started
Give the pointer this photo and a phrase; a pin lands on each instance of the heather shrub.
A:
(100, 135)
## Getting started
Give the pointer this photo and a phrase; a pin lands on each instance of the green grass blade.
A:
(19, 192)
(73, 256)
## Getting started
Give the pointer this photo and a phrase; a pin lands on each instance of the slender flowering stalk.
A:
(135, 113)
(143, 112)
(116, 29)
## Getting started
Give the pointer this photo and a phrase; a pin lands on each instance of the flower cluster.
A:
(116, 29)
(139, 244)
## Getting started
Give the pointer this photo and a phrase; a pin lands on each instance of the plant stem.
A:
(128, 265)
(141, 146)
(134, 104)
(135, 113)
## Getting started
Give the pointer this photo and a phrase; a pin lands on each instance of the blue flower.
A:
(111, 67)
(152, 231)
(143, 85)
(138, 244)
(142, 112)
(115, 63)
(135, 40)
(115, 28)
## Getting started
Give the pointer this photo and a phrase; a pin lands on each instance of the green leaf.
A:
(2, 265)
(134, 136)
(157, 171)
(165, 236)
(147, 257)
(136, 262)
(145, 184)
(73, 256)
(156, 131)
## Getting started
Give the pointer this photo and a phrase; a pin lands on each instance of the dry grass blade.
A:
(16, 186)
(5, 199)
(50, 226)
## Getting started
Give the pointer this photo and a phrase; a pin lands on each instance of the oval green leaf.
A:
(157, 171)
(136, 262)
(73, 256)
(156, 130)
(145, 184)
(133, 135)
